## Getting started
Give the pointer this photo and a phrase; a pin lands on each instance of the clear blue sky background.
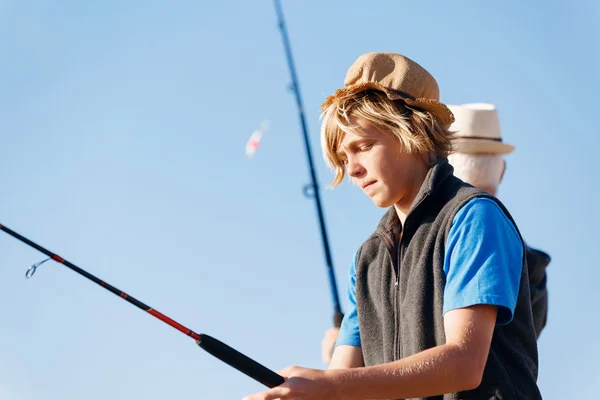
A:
(123, 126)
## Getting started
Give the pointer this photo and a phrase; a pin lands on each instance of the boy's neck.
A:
(403, 206)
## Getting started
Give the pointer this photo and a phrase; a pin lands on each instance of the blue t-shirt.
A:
(482, 263)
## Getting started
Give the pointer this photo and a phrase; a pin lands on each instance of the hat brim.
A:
(480, 146)
(439, 110)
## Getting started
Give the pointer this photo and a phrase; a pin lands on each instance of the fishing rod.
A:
(213, 346)
(311, 190)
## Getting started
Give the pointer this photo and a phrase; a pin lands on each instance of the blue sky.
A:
(123, 126)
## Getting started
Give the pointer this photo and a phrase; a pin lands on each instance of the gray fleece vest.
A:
(400, 293)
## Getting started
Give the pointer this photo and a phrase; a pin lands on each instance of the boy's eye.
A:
(366, 147)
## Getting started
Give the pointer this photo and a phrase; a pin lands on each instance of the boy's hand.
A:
(301, 384)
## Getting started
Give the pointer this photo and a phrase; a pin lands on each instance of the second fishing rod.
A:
(311, 190)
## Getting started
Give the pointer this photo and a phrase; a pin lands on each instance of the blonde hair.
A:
(417, 130)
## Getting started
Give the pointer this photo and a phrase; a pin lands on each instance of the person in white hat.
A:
(478, 159)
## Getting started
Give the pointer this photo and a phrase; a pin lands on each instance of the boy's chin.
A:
(382, 202)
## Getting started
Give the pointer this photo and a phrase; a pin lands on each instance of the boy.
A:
(439, 293)
(478, 159)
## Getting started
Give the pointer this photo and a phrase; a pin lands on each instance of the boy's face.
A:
(377, 163)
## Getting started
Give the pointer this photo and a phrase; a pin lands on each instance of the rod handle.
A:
(338, 316)
(240, 361)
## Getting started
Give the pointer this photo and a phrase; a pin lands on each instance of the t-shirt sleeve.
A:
(349, 334)
(483, 260)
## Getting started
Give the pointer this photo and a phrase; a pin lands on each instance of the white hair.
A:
(480, 170)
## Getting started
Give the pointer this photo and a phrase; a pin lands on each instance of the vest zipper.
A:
(398, 258)
(397, 300)
(393, 251)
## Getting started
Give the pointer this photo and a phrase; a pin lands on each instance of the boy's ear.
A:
(430, 158)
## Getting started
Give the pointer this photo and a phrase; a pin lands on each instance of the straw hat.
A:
(399, 78)
(477, 129)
